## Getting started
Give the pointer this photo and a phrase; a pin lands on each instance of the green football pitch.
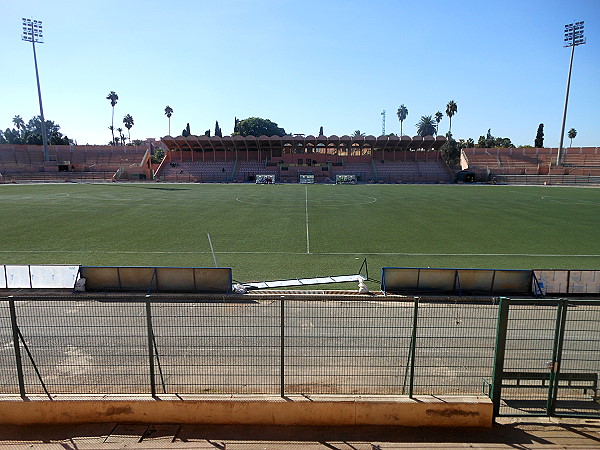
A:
(268, 232)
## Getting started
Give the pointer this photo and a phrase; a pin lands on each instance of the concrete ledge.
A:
(313, 410)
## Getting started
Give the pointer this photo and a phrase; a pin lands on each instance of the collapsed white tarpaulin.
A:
(303, 282)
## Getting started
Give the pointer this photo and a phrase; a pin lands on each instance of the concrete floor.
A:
(523, 433)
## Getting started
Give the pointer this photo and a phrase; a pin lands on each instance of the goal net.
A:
(265, 179)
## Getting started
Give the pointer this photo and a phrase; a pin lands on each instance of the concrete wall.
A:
(317, 410)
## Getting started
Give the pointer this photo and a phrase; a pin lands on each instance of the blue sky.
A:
(304, 64)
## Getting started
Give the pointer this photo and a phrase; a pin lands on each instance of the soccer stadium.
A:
(263, 288)
(348, 260)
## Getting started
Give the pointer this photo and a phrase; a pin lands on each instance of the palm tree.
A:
(128, 121)
(120, 130)
(572, 134)
(112, 130)
(438, 118)
(113, 97)
(169, 113)
(451, 109)
(357, 133)
(19, 122)
(426, 126)
(402, 114)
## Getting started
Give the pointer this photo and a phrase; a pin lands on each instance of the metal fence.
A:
(534, 357)
(280, 346)
(57, 177)
(564, 180)
(547, 358)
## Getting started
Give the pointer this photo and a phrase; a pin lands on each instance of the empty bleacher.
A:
(413, 172)
(67, 162)
(582, 157)
(247, 170)
(188, 171)
(500, 159)
(363, 170)
(531, 165)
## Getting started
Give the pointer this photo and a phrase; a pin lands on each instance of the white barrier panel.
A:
(37, 277)
(17, 277)
(57, 277)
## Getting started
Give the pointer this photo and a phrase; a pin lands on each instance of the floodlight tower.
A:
(573, 38)
(383, 123)
(32, 32)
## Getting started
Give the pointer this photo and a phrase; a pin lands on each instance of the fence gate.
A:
(547, 359)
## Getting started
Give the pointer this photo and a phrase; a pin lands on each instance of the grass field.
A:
(266, 232)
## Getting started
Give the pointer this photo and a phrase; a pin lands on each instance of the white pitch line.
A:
(533, 255)
(212, 250)
(306, 213)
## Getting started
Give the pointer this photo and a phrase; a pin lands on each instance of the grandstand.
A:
(534, 165)
(73, 163)
(385, 159)
(367, 159)
(388, 159)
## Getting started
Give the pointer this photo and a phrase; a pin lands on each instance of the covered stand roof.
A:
(216, 143)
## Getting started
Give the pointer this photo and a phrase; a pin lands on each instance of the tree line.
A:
(428, 125)
(30, 132)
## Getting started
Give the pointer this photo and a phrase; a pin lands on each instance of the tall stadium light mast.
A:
(32, 32)
(573, 38)
(383, 123)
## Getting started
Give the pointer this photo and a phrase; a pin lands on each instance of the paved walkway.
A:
(529, 433)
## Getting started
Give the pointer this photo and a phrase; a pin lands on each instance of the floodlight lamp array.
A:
(32, 31)
(574, 34)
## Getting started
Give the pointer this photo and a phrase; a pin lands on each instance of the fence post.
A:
(282, 347)
(559, 336)
(150, 349)
(501, 330)
(413, 345)
(17, 346)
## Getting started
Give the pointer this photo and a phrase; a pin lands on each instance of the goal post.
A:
(265, 179)
(345, 179)
(306, 178)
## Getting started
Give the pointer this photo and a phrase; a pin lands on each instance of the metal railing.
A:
(535, 179)
(535, 356)
(283, 346)
(57, 177)
(548, 358)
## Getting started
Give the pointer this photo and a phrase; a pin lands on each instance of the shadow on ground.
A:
(510, 433)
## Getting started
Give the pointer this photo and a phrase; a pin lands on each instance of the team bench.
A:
(587, 381)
